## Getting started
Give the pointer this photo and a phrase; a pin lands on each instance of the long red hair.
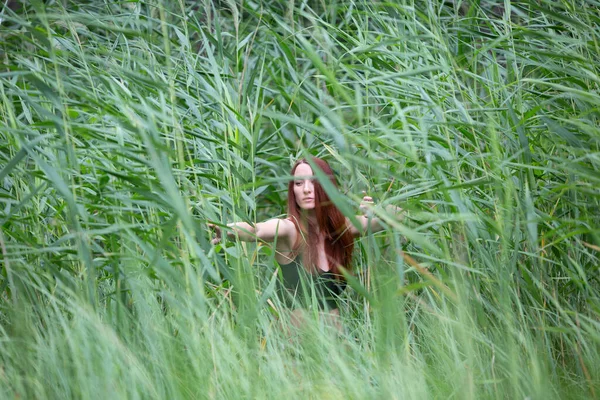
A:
(339, 242)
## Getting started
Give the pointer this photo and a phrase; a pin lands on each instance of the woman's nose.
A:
(307, 186)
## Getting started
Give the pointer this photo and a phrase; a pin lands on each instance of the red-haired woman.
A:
(315, 241)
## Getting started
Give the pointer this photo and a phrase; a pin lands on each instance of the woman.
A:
(315, 242)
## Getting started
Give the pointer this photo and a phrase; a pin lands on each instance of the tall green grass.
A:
(128, 126)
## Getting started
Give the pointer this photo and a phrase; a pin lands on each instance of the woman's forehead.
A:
(303, 170)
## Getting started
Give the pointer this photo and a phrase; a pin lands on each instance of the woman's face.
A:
(304, 188)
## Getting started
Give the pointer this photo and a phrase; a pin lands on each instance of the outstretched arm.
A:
(264, 231)
(370, 223)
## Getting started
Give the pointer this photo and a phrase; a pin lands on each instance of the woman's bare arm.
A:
(368, 222)
(263, 231)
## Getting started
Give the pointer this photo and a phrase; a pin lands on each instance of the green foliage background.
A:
(127, 126)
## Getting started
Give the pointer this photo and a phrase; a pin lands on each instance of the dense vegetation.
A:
(128, 126)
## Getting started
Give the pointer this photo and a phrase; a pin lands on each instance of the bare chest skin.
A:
(323, 264)
(284, 255)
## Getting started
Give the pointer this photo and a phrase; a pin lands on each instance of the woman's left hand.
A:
(366, 205)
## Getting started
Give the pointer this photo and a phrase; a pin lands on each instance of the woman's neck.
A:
(309, 216)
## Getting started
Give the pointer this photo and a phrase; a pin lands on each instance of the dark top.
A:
(302, 285)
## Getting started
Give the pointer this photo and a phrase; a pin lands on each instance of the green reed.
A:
(130, 126)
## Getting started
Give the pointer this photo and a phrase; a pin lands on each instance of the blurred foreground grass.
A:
(129, 125)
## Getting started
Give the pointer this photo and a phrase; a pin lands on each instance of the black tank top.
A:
(300, 284)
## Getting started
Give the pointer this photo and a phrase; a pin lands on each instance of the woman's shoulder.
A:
(286, 230)
(289, 225)
(290, 220)
(282, 222)
(275, 227)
